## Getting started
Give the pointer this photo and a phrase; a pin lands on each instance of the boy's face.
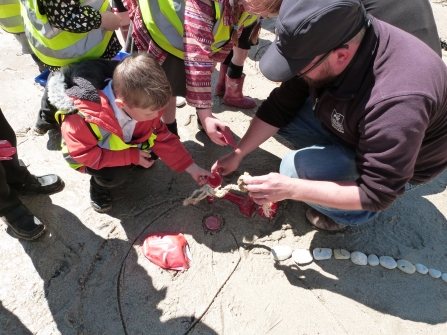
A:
(137, 113)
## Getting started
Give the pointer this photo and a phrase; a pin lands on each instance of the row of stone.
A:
(303, 256)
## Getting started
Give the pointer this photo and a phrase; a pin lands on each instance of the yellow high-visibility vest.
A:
(10, 19)
(106, 140)
(57, 47)
(164, 21)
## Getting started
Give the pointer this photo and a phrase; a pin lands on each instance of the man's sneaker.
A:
(100, 198)
(47, 184)
(23, 223)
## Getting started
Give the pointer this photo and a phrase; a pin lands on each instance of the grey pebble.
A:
(373, 260)
(406, 266)
(434, 273)
(322, 253)
(387, 262)
(422, 269)
(359, 258)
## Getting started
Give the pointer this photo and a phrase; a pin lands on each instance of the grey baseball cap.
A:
(306, 29)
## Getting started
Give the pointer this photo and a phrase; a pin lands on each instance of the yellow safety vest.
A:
(10, 19)
(57, 47)
(106, 140)
(164, 21)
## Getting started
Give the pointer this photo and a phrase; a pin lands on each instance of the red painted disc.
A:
(213, 223)
(216, 181)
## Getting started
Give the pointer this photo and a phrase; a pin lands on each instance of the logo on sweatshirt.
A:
(337, 121)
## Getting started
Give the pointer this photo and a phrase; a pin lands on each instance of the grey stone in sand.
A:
(434, 273)
(359, 258)
(444, 277)
(373, 260)
(422, 269)
(388, 262)
(341, 254)
(406, 266)
(322, 253)
(281, 252)
(302, 256)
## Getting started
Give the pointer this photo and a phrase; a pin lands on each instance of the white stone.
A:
(373, 260)
(341, 254)
(434, 273)
(302, 256)
(322, 253)
(406, 266)
(281, 252)
(422, 269)
(359, 258)
(387, 262)
(444, 277)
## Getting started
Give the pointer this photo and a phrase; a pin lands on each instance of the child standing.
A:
(67, 31)
(188, 37)
(107, 131)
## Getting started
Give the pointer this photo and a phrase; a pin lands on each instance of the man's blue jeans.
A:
(321, 156)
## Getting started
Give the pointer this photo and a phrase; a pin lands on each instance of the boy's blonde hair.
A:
(141, 82)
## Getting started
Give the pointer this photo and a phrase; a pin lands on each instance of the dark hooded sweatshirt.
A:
(390, 105)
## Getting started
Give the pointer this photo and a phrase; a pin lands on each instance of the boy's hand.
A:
(145, 159)
(110, 21)
(198, 174)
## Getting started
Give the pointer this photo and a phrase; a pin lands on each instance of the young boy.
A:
(108, 126)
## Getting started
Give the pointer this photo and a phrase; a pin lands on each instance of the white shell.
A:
(373, 260)
(434, 273)
(359, 258)
(341, 254)
(406, 266)
(387, 262)
(422, 269)
(302, 256)
(322, 253)
(444, 277)
(281, 252)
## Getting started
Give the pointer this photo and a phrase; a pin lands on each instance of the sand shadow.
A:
(412, 229)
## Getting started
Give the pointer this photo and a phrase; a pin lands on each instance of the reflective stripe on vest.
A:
(57, 47)
(10, 19)
(164, 21)
(106, 140)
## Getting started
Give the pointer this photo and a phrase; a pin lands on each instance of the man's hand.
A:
(110, 21)
(198, 174)
(145, 159)
(228, 163)
(273, 187)
(213, 126)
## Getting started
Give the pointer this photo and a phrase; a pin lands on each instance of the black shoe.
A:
(100, 198)
(47, 184)
(43, 128)
(23, 223)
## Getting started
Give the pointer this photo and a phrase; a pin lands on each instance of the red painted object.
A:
(228, 137)
(216, 181)
(271, 211)
(168, 251)
(6, 150)
(245, 204)
(213, 223)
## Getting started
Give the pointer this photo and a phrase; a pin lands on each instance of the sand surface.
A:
(88, 274)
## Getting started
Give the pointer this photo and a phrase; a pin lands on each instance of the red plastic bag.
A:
(168, 251)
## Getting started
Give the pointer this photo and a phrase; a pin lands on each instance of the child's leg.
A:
(100, 184)
(174, 69)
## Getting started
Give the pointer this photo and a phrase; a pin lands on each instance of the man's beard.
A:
(326, 77)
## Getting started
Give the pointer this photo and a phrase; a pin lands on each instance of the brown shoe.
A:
(321, 221)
